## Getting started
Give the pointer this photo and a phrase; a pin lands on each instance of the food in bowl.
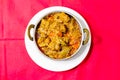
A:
(58, 35)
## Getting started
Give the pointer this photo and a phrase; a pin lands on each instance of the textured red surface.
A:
(102, 62)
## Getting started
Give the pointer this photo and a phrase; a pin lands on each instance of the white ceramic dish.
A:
(48, 63)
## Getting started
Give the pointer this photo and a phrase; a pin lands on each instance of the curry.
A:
(58, 35)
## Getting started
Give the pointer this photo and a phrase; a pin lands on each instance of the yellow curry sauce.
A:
(58, 35)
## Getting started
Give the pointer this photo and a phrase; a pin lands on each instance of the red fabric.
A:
(102, 62)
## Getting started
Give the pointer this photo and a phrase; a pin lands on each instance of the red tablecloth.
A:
(102, 62)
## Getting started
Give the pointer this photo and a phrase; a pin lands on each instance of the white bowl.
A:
(31, 28)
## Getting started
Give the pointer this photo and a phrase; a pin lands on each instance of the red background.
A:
(102, 62)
